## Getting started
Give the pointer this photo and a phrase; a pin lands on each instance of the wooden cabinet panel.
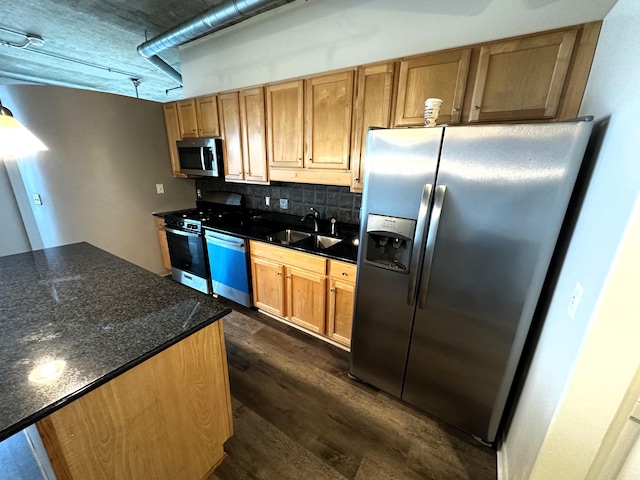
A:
(521, 79)
(306, 299)
(340, 300)
(306, 261)
(164, 244)
(172, 124)
(268, 284)
(340, 311)
(207, 115)
(165, 418)
(372, 109)
(329, 100)
(188, 118)
(285, 123)
(229, 111)
(442, 75)
(254, 147)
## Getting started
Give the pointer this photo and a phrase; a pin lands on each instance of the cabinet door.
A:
(372, 109)
(442, 75)
(306, 299)
(268, 284)
(164, 244)
(207, 111)
(229, 110)
(521, 79)
(340, 311)
(329, 101)
(285, 123)
(254, 146)
(188, 118)
(172, 125)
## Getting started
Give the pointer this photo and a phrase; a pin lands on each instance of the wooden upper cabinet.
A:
(172, 125)
(521, 79)
(229, 111)
(285, 123)
(372, 108)
(254, 146)
(207, 115)
(442, 75)
(188, 118)
(329, 103)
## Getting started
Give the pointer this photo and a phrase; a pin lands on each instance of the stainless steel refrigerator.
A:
(458, 228)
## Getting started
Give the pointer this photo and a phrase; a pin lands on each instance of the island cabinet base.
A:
(165, 418)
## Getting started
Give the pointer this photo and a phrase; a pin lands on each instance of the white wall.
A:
(322, 35)
(567, 404)
(97, 181)
(13, 236)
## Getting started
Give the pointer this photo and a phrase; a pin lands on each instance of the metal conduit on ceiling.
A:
(216, 18)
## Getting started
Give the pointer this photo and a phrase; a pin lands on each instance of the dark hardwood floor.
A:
(297, 415)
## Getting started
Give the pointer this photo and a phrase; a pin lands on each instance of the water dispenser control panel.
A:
(389, 241)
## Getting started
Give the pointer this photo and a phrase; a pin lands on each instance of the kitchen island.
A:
(123, 372)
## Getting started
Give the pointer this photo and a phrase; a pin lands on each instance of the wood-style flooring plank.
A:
(298, 415)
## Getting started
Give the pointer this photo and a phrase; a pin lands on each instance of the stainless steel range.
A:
(187, 251)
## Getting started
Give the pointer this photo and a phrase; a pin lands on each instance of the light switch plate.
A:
(36, 199)
(159, 188)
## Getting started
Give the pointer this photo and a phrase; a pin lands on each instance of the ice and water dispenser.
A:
(389, 242)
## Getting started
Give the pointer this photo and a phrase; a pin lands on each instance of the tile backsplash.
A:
(330, 201)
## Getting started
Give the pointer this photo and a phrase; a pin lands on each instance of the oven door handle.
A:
(181, 232)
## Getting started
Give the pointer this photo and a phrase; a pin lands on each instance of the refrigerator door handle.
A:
(438, 202)
(418, 242)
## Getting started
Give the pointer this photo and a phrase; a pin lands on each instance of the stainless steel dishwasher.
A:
(229, 266)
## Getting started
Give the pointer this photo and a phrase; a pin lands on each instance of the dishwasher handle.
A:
(225, 241)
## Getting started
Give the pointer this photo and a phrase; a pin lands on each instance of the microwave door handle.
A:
(438, 203)
(418, 242)
(202, 159)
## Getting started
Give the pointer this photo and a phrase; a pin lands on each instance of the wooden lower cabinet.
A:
(295, 286)
(167, 417)
(164, 244)
(340, 299)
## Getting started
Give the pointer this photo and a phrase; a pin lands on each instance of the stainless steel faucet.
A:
(314, 215)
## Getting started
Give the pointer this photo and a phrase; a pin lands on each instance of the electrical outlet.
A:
(159, 188)
(574, 300)
(267, 201)
(36, 199)
(284, 204)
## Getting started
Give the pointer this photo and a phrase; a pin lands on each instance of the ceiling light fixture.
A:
(15, 139)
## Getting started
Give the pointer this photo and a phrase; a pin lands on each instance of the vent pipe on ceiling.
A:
(216, 18)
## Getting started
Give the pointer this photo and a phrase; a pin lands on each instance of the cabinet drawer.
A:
(342, 271)
(303, 261)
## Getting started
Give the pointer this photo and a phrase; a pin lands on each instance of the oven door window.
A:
(187, 253)
(195, 158)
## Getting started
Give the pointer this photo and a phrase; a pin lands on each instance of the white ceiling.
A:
(92, 44)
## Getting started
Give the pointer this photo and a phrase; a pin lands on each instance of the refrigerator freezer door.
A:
(507, 190)
(401, 164)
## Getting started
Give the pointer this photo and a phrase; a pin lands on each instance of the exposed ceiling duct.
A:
(216, 18)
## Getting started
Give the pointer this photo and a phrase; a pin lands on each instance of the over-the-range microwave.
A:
(202, 156)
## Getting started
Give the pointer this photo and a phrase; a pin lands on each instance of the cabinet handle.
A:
(279, 273)
(333, 290)
(344, 273)
(357, 179)
(456, 109)
(288, 276)
(299, 159)
(309, 159)
(476, 107)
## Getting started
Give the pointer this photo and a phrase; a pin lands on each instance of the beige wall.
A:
(582, 366)
(13, 235)
(97, 181)
(307, 37)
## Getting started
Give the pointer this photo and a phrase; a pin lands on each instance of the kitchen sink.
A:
(288, 236)
(322, 242)
(302, 239)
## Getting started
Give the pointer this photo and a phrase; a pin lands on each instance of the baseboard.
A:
(308, 332)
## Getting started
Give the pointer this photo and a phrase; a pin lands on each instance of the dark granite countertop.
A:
(258, 224)
(100, 314)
